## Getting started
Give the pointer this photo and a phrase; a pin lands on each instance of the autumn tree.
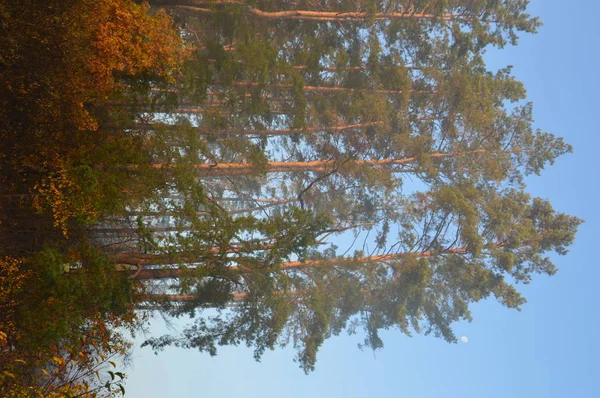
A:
(62, 65)
(61, 61)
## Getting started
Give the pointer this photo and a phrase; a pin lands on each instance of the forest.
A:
(281, 171)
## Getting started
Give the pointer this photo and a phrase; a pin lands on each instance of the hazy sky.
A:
(549, 349)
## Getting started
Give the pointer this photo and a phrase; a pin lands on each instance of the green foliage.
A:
(231, 164)
(60, 299)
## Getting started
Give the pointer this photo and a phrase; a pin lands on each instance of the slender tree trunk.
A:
(205, 130)
(322, 89)
(220, 169)
(174, 273)
(319, 89)
(193, 110)
(172, 229)
(143, 259)
(351, 67)
(183, 298)
(335, 16)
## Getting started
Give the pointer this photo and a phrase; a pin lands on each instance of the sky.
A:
(549, 349)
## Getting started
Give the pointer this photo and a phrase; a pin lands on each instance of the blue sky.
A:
(549, 349)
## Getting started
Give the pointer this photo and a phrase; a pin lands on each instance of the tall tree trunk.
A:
(323, 89)
(221, 169)
(336, 16)
(149, 127)
(174, 273)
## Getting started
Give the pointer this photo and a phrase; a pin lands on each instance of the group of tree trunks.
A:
(305, 167)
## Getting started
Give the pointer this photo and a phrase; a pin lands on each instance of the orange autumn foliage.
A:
(61, 61)
(130, 41)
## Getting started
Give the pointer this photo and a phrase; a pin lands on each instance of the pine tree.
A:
(294, 126)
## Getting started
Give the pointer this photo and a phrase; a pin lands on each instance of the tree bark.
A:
(335, 16)
(220, 169)
(174, 273)
(205, 130)
(333, 89)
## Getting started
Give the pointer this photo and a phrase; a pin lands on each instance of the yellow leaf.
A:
(59, 360)
(9, 374)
